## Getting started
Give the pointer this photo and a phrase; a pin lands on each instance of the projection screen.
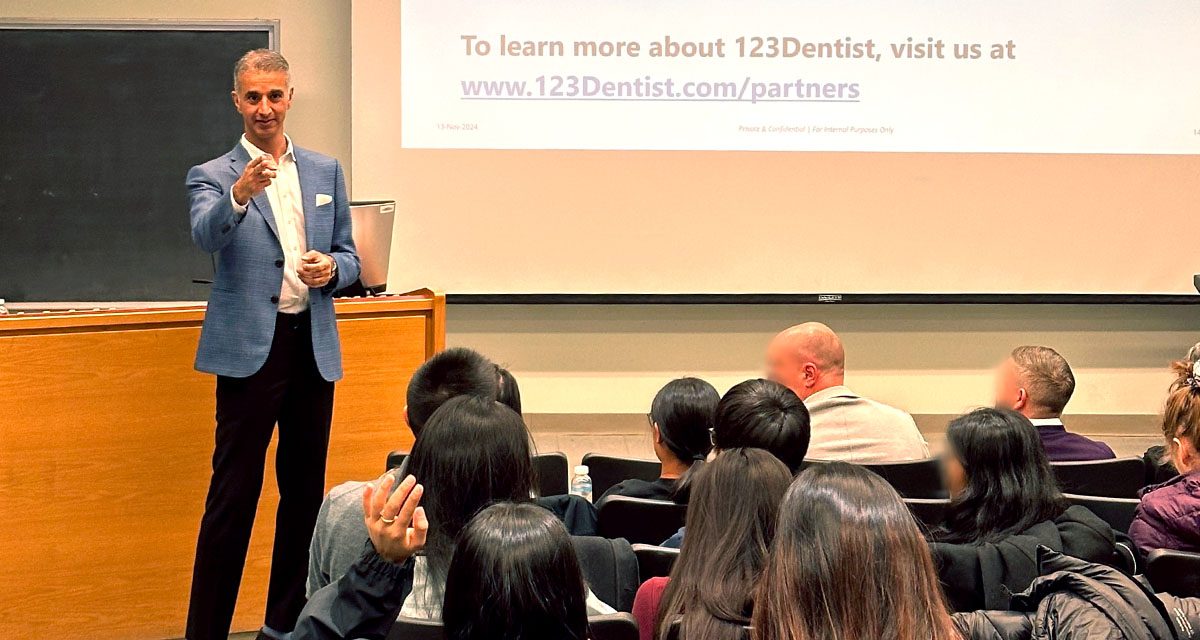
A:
(784, 146)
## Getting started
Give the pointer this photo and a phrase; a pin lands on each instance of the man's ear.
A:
(1022, 400)
(811, 373)
(233, 95)
(657, 433)
(291, 93)
(406, 422)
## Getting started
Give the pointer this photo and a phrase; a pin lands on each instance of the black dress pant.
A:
(290, 391)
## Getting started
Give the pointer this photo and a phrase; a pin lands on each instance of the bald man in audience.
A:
(810, 360)
(1038, 383)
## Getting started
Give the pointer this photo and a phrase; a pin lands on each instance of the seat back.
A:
(613, 626)
(606, 471)
(1117, 512)
(610, 569)
(639, 520)
(1119, 478)
(395, 459)
(930, 513)
(1175, 572)
(654, 561)
(414, 629)
(551, 470)
(910, 478)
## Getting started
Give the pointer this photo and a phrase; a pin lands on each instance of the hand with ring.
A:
(397, 524)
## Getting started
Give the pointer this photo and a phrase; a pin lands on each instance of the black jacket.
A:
(983, 576)
(1077, 600)
(363, 603)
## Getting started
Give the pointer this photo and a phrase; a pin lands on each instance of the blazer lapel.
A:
(238, 159)
(308, 194)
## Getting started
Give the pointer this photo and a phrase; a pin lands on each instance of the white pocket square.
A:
(323, 199)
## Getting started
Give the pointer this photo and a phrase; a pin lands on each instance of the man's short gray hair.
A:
(260, 60)
(1046, 376)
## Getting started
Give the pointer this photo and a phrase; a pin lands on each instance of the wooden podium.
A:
(106, 441)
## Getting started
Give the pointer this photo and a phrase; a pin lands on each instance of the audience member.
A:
(1160, 464)
(730, 522)
(764, 415)
(514, 576)
(1037, 382)
(509, 394)
(1168, 516)
(848, 561)
(681, 419)
(1004, 502)
(810, 360)
(339, 533)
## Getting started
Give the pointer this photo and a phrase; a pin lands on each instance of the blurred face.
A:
(954, 473)
(1008, 393)
(263, 98)
(785, 367)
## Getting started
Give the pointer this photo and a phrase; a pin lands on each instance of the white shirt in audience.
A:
(850, 428)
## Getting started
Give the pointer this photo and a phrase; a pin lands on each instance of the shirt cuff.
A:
(237, 208)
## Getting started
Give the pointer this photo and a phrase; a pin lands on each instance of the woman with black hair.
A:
(515, 576)
(730, 523)
(1004, 502)
(681, 421)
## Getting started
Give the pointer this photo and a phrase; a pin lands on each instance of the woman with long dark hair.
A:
(998, 476)
(681, 422)
(472, 453)
(848, 561)
(1004, 502)
(515, 576)
(730, 523)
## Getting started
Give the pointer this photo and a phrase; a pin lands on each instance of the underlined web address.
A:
(650, 89)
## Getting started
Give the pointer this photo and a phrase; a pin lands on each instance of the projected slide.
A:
(1091, 76)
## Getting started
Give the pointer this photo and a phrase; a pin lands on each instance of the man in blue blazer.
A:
(277, 218)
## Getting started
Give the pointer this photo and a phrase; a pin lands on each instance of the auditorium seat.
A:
(1119, 478)
(1175, 572)
(929, 512)
(613, 626)
(550, 468)
(395, 459)
(654, 561)
(610, 568)
(910, 478)
(1117, 512)
(639, 520)
(607, 471)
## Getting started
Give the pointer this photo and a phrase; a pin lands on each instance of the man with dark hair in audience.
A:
(1037, 382)
(809, 359)
(340, 534)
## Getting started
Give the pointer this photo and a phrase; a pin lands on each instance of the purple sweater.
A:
(1168, 516)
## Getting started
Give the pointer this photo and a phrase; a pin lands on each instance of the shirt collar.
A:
(254, 151)
(1046, 422)
(828, 393)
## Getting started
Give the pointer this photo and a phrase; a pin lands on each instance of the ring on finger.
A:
(386, 520)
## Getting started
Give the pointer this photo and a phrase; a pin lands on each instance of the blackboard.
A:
(98, 127)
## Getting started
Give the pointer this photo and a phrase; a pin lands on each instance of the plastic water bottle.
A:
(581, 483)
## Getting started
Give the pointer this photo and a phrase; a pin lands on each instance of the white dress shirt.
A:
(287, 205)
(851, 428)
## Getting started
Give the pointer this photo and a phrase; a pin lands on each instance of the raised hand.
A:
(257, 176)
(396, 524)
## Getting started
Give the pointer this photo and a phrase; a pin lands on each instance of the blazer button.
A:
(274, 299)
(279, 263)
